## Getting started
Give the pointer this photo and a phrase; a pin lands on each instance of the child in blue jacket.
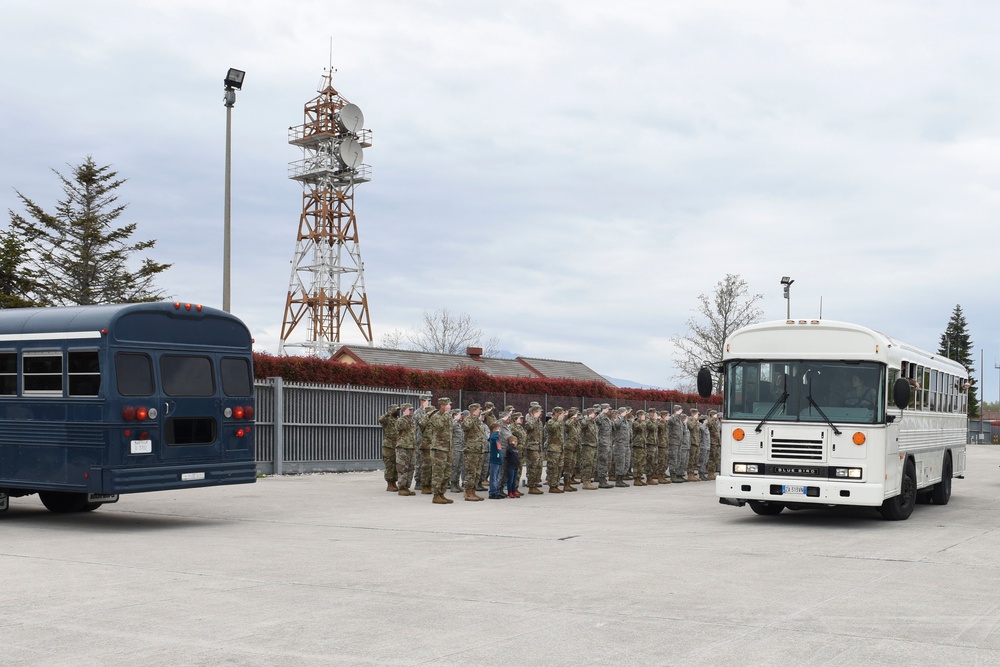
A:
(496, 460)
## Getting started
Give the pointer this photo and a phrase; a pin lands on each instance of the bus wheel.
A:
(63, 503)
(766, 508)
(899, 508)
(941, 493)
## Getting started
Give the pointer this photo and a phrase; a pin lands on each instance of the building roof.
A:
(440, 363)
(569, 370)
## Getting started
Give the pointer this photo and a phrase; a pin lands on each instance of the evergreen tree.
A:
(16, 282)
(955, 345)
(77, 255)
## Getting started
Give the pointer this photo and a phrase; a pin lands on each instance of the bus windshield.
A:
(804, 390)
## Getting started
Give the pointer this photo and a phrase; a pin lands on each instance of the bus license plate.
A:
(793, 489)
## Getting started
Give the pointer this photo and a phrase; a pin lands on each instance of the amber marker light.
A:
(738, 434)
(859, 438)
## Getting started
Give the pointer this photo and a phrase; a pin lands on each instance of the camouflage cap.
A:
(677, 407)
(517, 415)
(474, 406)
(535, 408)
(574, 410)
(444, 401)
(425, 399)
(465, 413)
(406, 406)
(640, 412)
(509, 408)
(393, 406)
(694, 411)
(593, 411)
(712, 412)
(557, 410)
(622, 410)
(605, 406)
(596, 406)
(534, 404)
(489, 404)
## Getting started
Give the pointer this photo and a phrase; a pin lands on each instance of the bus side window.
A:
(43, 373)
(236, 380)
(134, 373)
(8, 373)
(84, 370)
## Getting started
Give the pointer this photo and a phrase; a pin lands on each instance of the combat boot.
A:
(619, 482)
(602, 483)
(663, 479)
(454, 489)
(702, 477)
(651, 481)
(405, 492)
(567, 487)
(534, 491)
(426, 490)
(470, 495)
(638, 481)
(439, 499)
(676, 479)
(555, 489)
(691, 477)
(588, 486)
(711, 476)
(391, 486)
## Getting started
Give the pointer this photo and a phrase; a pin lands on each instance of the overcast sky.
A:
(572, 174)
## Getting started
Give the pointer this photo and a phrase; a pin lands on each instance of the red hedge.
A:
(325, 371)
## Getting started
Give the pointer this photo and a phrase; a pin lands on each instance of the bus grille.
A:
(796, 448)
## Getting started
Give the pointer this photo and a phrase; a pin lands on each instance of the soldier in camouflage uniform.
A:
(686, 447)
(693, 427)
(571, 447)
(473, 433)
(652, 434)
(704, 449)
(420, 418)
(425, 437)
(620, 441)
(533, 449)
(605, 428)
(555, 434)
(675, 438)
(406, 440)
(663, 449)
(388, 423)
(715, 443)
(489, 417)
(441, 451)
(588, 449)
(639, 447)
(457, 448)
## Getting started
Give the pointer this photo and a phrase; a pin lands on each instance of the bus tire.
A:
(941, 493)
(899, 508)
(766, 508)
(63, 503)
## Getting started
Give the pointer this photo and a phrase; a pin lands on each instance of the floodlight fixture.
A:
(787, 282)
(234, 79)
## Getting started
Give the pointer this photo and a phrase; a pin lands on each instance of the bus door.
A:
(189, 407)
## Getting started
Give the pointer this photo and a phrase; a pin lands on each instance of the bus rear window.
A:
(236, 379)
(135, 374)
(187, 376)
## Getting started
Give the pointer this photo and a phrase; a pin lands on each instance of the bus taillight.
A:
(141, 414)
(128, 413)
(248, 412)
(238, 412)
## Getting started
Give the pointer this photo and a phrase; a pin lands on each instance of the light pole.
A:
(233, 82)
(787, 282)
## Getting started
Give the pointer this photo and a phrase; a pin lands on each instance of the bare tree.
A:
(442, 331)
(728, 308)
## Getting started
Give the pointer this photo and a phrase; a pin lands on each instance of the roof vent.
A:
(474, 352)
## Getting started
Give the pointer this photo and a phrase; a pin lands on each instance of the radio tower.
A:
(328, 280)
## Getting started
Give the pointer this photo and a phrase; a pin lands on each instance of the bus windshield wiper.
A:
(822, 414)
(774, 408)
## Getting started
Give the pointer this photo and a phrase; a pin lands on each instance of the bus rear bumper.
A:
(737, 490)
(164, 478)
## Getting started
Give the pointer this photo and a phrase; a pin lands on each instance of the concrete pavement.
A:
(332, 570)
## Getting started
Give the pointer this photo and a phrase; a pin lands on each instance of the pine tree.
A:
(77, 254)
(16, 282)
(955, 345)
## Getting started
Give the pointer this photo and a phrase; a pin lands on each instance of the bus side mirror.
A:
(704, 382)
(901, 393)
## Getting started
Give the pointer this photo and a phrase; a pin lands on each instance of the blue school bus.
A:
(98, 401)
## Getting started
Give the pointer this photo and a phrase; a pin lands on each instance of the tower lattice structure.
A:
(327, 285)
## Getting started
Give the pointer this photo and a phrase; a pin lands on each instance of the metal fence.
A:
(330, 428)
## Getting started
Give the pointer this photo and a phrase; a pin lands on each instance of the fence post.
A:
(279, 425)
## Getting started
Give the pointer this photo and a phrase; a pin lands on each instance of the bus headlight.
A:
(847, 473)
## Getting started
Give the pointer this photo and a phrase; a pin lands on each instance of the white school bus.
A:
(823, 413)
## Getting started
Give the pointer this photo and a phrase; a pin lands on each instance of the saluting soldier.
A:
(605, 428)
(663, 448)
(406, 440)
(388, 423)
(533, 448)
(440, 451)
(571, 447)
(715, 442)
(517, 428)
(473, 432)
(639, 447)
(675, 437)
(457, 449)
(652, 435)
(693, 427)
(554, 432)
(588, 449)
(621, 442)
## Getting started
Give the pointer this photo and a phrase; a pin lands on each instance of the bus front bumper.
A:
(734, 490)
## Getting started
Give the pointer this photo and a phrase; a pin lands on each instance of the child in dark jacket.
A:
(513, 467)
(496, 460)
